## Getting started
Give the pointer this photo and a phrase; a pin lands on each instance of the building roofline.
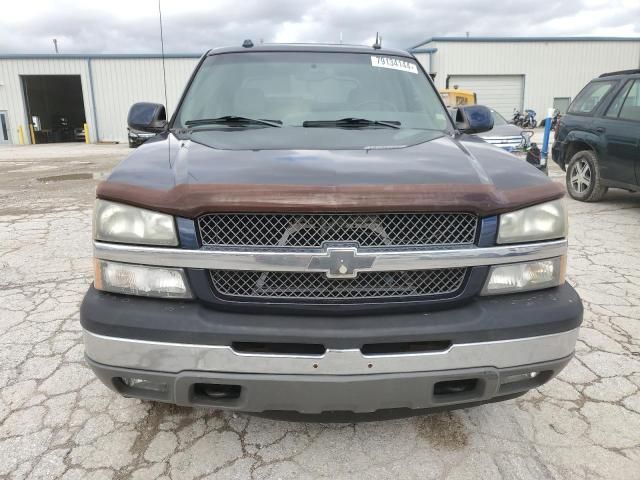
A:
(423, 50)
(273, 47)
(524, 39)
(86, 56)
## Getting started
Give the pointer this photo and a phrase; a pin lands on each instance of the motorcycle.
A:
(517, 118)
(529, 120)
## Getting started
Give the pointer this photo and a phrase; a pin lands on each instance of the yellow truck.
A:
(453, 97)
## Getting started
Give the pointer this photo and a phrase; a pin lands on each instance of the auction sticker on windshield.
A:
(394, 63)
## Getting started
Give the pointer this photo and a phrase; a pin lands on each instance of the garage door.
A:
(500, 92)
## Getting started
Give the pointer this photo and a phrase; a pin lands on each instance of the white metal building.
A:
(64, 91)
(524, 72)
(107, 85)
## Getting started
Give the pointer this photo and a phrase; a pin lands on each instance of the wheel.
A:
(534, 124)
(583, 178)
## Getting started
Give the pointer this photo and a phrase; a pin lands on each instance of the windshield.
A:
(292, 88)
(498, 119)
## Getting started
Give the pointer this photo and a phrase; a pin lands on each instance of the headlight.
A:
(116, 222)
(539, 222)
(140, 280)
(520, 277)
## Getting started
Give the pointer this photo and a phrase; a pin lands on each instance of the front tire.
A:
(583, 178)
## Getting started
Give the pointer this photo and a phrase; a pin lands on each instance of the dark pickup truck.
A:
(310, 232)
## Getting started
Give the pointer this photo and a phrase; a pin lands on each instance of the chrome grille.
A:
(316, 285)
(507, 143)
(311, 230)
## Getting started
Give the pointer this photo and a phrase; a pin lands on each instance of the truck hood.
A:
(392, 170)
(508, 130)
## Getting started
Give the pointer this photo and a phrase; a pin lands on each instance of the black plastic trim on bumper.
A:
(314, 394)
(483, 319)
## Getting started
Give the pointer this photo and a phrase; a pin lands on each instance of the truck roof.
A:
(620, 72)
(310, 47)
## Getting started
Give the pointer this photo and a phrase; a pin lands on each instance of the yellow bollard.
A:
(86, 133)
(33, 134)
(20, 135)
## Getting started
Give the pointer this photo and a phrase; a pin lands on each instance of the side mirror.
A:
(474, 119)
(147, 117)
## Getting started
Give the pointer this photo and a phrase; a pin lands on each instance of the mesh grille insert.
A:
(368, 230)
(316, 285)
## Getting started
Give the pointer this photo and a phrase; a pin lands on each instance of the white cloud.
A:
(196, 25)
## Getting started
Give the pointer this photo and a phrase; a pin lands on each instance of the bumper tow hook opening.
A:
(217, 391)
(455, 387)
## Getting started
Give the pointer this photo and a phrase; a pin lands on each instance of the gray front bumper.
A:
(314, 394)
(338, 380)
(179, 357)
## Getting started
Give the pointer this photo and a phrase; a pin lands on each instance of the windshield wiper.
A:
(233, 120)
(351, 122)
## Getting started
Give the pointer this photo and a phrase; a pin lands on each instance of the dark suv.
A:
(598, 141)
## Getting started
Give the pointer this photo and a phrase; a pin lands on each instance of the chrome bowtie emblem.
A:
(341, 262)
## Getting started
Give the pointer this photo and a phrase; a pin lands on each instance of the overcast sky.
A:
(193, 26)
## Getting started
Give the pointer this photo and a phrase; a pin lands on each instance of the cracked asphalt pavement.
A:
(58, 421)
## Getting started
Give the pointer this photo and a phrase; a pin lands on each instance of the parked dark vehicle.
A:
(311, 232)
(505, 135)
(598, 140)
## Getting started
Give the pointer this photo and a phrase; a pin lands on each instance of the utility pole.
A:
(55, 44)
